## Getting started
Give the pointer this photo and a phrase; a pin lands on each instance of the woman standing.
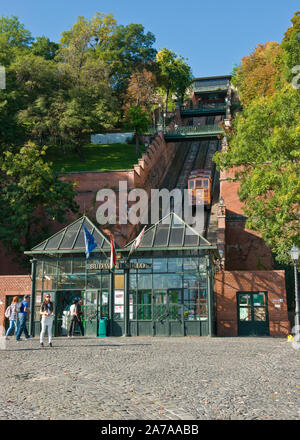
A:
(47, 319)
(13, 317)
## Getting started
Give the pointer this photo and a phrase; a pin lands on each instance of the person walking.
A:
(13, 317)
(47, 314)
(23, 314)
(75, 313)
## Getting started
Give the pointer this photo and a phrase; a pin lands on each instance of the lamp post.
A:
(294, 254)
(164, 121)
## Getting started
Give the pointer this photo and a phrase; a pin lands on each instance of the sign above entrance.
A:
(119, 265)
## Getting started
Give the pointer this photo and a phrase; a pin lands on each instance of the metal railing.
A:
(203, 108)
(212, 88)
(195, 130)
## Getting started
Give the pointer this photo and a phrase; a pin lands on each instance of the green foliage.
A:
(174, 74)
(30, 196)
(136, 119)
(291, 46)
(45, 48)
(14, 32)
(265, 145)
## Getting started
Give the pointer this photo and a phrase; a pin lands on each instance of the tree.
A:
(142, 90)
(291, 46)
(80, 42)
(265, 147)
(260, 73)
(45, 48)
(31, 196)
(175, 74)
(128, 51)
(14, 32)
(136, 119)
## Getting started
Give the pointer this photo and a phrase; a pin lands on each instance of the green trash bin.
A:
(102, 328)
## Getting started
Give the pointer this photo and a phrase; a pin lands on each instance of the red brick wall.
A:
(245, 249)
(228, 283)
(12, 285)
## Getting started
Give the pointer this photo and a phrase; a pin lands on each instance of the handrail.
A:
(193, 129)
(203, 107)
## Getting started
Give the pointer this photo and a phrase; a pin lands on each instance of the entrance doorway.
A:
(168, 313)
(253, 314)
(62, 303)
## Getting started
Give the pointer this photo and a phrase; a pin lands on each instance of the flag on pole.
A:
(137, 242)
(90, 242)
(113, 259)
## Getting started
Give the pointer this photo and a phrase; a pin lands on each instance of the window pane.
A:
(144, 281)
(132, 281)
(175, 265)
(260, 314)
(245, 299)
(167, 281)
(259, 299)
(159, 264)
(105, 281)
(245, 313)
(78, 265)
(144, 312)
(93, 281)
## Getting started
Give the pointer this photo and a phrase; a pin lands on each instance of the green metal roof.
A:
(171, 233)
(71, 239)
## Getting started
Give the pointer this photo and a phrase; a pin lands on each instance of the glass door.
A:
(161, 313)
(90, 313)
(253, 314)
(168, 312)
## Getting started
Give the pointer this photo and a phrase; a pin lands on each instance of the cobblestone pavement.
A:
(150, 378)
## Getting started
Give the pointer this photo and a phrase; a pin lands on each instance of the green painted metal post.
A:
(209, 296)
(32, 296)
(126, 303)
(111, 303)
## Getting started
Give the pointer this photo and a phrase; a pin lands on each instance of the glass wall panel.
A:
(38, 298)
(93, 281)
(79, 265)
(160, 265)
(144, 281)
(175, 265)
(144, 305)
(64, 265)
(165, 281)
(71, 281)
(105, 281)
(132, 281)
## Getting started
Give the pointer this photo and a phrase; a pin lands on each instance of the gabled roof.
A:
(71, 239)
(171, 232)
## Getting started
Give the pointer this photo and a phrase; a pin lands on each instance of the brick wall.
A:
(12, 285)
(244, 249)
(228, 283)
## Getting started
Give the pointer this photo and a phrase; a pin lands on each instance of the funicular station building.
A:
(165, 288)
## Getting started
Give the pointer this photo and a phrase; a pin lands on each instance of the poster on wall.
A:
(119, 303)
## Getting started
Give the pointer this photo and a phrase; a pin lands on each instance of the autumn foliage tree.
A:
(264, 145)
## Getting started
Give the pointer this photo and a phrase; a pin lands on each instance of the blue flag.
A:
(90, 243)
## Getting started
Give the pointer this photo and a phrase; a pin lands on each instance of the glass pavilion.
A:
(164, 288)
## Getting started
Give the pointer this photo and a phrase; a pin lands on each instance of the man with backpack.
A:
(23, 314)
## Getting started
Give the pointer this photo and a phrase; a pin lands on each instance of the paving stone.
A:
(150, 378)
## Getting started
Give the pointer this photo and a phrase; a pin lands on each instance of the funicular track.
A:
(192, 155)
